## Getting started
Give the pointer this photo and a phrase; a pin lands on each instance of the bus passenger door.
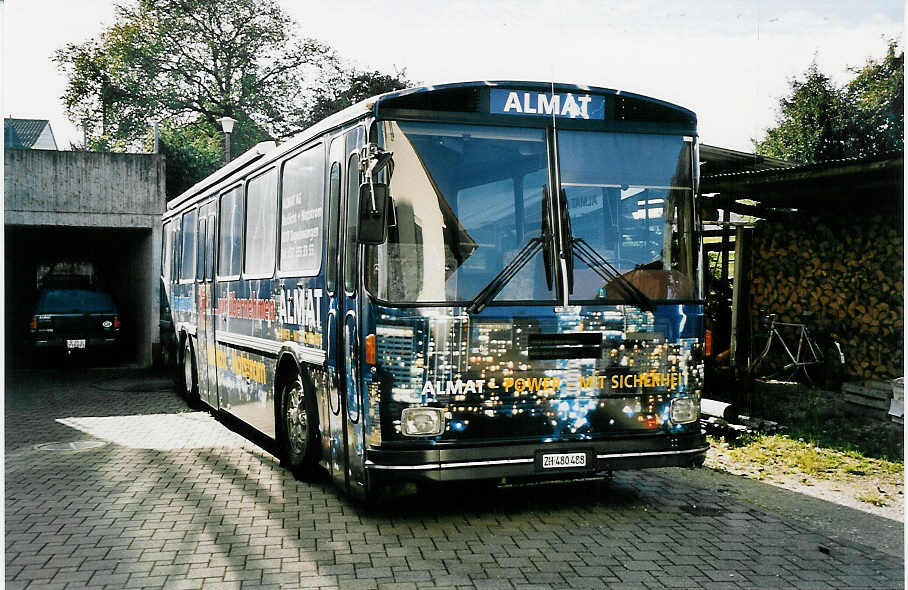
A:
(207, 369)
(333, 422)
(345, 420)
(203, 295)
(348, 318)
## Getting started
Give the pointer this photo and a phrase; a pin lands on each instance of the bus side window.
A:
(200, 250)
(302, 206)
(333, 206)
(261, 223)
(187, 269)
(230, 233)
(405, 255)
(175, 253)
(209, 245)
(350, 243)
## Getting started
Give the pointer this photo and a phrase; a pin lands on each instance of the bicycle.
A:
(806, 357)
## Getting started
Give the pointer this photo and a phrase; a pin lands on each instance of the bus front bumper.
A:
(526, 460)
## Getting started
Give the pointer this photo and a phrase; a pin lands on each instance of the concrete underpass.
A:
(99, 210)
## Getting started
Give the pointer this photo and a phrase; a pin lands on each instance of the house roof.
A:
(22, 133)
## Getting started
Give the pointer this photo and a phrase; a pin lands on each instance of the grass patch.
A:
(787, 454)
(823, 420)
(873, 498)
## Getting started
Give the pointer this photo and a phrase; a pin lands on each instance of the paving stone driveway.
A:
(176, 500)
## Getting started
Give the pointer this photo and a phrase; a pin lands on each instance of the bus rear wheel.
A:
(189, 382)
(298, 429)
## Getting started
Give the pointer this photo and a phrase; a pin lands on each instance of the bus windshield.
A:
(630, 200)
(467, 200)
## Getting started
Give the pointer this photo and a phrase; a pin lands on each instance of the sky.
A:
(728, 61)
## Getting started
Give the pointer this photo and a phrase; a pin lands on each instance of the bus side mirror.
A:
(374, 203)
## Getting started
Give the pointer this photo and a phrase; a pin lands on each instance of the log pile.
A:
(848, 272)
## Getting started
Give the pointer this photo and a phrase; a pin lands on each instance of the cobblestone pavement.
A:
(176, 500)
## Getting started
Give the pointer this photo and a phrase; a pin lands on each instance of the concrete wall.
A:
(80, 189)
(61, 190)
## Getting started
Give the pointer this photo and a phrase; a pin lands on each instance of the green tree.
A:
(187, 63)
(819, 121)
(875, 122)
(351, 87)
(192, 152)
(808, 128)
(185, 60)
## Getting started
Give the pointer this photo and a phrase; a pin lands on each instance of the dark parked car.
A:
(75, 320)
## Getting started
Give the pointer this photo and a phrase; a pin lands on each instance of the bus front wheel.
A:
(298, 428)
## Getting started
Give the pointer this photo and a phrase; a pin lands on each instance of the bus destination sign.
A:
(566, 105)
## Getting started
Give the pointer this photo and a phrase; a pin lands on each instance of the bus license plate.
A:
(563, 460)
(75, 343)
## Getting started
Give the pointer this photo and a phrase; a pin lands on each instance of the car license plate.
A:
(75, 343)
(563, 460)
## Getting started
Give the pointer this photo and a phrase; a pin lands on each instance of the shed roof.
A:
(830, 186)
(719, 160)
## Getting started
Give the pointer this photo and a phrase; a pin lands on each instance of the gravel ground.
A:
(842, 489)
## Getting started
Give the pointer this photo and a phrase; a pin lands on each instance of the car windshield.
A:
(467, 200)
(74, 301)
(629, 198)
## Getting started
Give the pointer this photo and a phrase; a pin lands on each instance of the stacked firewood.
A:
(848, 272)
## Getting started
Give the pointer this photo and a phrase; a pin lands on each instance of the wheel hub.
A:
(187, 368)
(297, 420)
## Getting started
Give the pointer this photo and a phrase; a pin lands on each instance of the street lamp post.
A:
(227, 126)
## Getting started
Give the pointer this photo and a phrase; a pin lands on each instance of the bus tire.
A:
(189, 383)
(299, 425)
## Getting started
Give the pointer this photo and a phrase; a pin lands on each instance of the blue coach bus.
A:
(467, 281)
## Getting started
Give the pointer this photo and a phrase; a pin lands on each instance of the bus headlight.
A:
(684, 410)
(422, 421)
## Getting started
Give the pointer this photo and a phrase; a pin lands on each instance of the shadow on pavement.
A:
(841, 523)
(35, 399)
(234, 506)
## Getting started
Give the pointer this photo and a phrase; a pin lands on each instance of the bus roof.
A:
(411, 98)
(380, 101)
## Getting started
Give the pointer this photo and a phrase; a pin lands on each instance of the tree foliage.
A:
(192, 152)
(876, 95)
(352, 87)
(820, 121)
(187, 63)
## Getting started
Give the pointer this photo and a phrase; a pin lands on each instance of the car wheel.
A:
(190, 387)
(299, 425)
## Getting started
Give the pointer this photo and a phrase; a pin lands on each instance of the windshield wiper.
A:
(594, 260)
(604, 269)
(510, 270)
